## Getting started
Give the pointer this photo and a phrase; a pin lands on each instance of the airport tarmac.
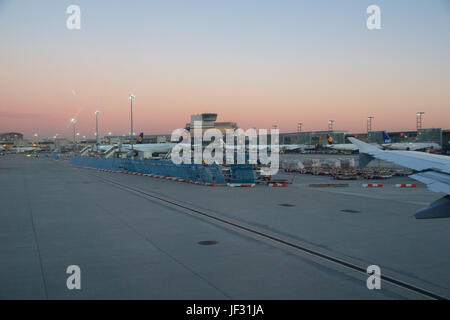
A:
(130, 244)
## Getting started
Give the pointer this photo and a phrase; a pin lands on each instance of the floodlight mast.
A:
(131, 97)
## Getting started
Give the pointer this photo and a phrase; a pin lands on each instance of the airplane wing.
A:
(418, 161)
(431, 169)
(435, 181)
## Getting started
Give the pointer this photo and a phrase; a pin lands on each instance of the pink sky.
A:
(276, 65)
(32, 103)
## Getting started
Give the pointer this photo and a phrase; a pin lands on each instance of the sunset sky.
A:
(255, 62)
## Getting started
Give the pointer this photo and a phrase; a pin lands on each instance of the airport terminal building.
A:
(319, 138)
(313, 137)
(10, 138)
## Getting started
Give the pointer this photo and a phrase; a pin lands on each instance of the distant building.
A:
(10, 136)
(224, 126)
(8, 139)
(446, 142)
(312, 137)
(423, 135)
(436, 135)
(148, 138)
(156, 138)
(209, 121)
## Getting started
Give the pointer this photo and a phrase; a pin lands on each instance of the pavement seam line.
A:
(160, 249)
(392, 280)
(30, 211)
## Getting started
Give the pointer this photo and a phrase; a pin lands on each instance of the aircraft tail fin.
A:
(140, 138)
(386, 138)
(330, 139)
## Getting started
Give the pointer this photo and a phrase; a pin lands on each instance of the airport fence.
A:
(242, 174)
(199, 173)
(97, 163)
(192, 172)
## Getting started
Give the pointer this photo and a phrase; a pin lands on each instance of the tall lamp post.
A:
(56, 137)
(131, 97)
(369, 124)
(74, 121)
(330, 125)
(96, 125)
(419, 116)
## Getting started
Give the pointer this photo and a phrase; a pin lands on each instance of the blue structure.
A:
(191, 172)
(242, 174)
(97, 163)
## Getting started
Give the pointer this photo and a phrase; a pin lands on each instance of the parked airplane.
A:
(295, 147)
(431, 169)
(25, 149)
(139, 146)
(412, 146)
(281, 147)
(148, 147)
(388, 144)
(340, 146)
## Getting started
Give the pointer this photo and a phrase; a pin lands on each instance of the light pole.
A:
(56, 137)
(131, 97)
(419, 116)
(74, 121)
(330, 125)
(299, 127)
(369, 124)
(96, 125)
(35, 143)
